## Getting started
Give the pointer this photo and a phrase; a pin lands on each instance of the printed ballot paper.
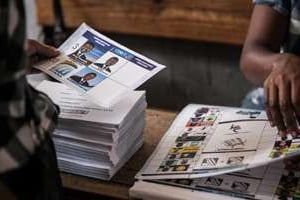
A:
(98, 66)
(223, 150)
(91, 140)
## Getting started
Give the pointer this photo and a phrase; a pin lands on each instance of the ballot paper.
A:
(210, 140)
(213, 152)
(91, 140)
(76, 106)
(269, 182)
(99, 67)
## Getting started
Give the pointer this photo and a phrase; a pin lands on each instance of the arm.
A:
(279, 73)
(262, 46)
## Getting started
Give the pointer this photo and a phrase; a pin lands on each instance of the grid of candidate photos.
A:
(181, 156)
(92, 60)
(212, 140)
(266, 182)
(285, 145)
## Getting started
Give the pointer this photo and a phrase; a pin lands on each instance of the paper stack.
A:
(94, 141)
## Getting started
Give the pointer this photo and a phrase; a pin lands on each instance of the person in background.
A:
(270, 58)
(28, 165)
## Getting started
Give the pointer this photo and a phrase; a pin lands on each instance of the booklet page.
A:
(98, 66)
(208, 140)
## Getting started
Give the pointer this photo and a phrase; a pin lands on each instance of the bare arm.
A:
(279, 73)
(265, 36)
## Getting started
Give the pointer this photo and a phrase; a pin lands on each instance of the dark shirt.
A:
(103, 67)
(291, 9)
(26, 115)
(79, 80)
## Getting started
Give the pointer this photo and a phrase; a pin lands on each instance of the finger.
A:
(286, 107)
(295, 98)
(35, 47)
(292, 163)
(267, 104)
(274, 108)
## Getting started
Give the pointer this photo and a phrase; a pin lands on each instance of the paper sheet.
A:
(203, 141)
(98, 66)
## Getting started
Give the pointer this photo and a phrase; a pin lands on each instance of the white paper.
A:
(98, 66)
(268, 182)
(76, 106)
(200, 144)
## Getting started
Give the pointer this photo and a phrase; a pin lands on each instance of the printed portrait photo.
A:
(64, 68)
(240, 186)
(201, 111)
(173, 156)
(163, 168)
(235, 160)
(108, 63)
(188, 155)
(86, 53)
(210, 119)
(86, 78)
(180, 168)
(195, 121)
(185, 138)
(282, 145)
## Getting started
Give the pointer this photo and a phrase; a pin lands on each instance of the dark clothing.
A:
(39, 178)
(78, 79)
(102, 66)
(290, 9)
(28, 165)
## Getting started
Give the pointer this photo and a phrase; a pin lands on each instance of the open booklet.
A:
(213, 152)
(269, 182)
(206, 141)
(98, 66)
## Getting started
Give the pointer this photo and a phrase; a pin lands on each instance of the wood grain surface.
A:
(224, 21)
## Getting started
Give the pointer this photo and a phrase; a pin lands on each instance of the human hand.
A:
(292, 163)
(282, 93)
(37, 51)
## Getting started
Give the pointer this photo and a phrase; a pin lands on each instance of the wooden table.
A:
(157, 123)
(224, 21)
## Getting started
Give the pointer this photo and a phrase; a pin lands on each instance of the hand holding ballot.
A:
(98, 66)
(36, 50)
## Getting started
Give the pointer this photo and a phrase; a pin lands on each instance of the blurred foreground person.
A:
(28, 165)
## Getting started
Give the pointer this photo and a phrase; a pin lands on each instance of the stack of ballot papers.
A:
(102, 117)
(213, 152)
(91, 140)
